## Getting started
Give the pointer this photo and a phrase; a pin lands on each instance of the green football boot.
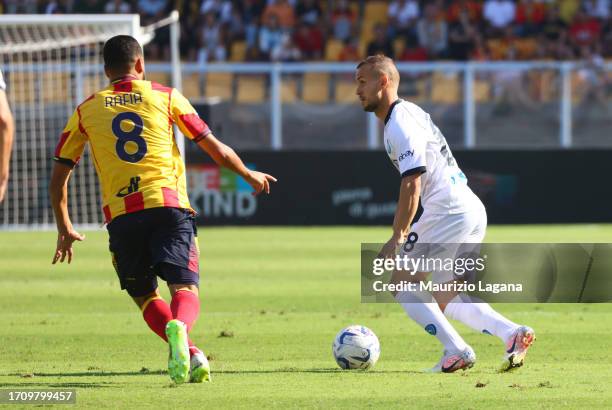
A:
(178, 357)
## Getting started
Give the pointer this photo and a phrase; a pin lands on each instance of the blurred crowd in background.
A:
(348, 30)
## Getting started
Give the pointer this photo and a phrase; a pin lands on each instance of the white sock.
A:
(480, 316)
(431, 318)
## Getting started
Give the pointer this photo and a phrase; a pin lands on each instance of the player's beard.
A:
(371, 106)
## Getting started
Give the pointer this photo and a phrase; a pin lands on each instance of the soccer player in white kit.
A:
(452, 214)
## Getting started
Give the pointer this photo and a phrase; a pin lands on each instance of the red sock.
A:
(193, 350)
(185, 307)
(157, 314)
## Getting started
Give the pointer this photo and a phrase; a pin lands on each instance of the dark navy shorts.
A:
(154, 242)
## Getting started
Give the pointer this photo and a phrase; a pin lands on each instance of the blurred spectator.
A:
(270, 36)
(472, 8)
(553, 36)
(511, 85)
(235, 26)
(597, 8)
(510, 91)
(283, 11)
(212, 46)
(309, 39)
(454, 29)
(480, 51)
(349, 51)
(593, 78)
(230, 27)
(251, 11)
(117, 7)
(568, 9)
(343, 19)
(253, 54)
(381, 43)
(309, 11)
(506, 47)
(190, 21)
(584, 31)
(461, 38)
(499, 14)
(88, 6)
(402, 15)
(151, 10)
(413, 51)
(440, 10)
(530, 14)
(222, 9)
(55, 7)
(432, 32)
(606, 36)
(287, 52)
(20, 6)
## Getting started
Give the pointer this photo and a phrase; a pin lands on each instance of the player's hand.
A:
(389, 249)
(260, 182)
(64, 245)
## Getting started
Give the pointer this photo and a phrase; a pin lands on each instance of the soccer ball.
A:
(356, 347)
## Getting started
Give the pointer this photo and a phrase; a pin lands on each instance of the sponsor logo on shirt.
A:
(130, 189)
(405, 155)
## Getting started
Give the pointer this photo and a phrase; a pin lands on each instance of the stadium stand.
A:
(315, 88)
(219, 85)
(251, 88)
(539, 30)
(534, 25)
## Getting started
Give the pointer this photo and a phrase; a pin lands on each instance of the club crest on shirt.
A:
(388, 147)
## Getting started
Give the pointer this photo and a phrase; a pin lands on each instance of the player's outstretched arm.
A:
(6, 142)
(407, 206)
(226, 157)
(66, 235)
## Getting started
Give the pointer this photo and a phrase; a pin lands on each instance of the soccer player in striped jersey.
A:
(151, 225)
(452, 214)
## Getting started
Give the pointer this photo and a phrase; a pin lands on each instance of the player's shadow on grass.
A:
(96, 373)
(59, 385)
(329, 370)
(315, 370)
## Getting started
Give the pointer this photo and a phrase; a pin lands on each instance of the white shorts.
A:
(461, 231)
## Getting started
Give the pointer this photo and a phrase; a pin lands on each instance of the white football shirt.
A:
(2, 83)
(415, 145)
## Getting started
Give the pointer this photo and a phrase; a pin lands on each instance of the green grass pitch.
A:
(281, 295)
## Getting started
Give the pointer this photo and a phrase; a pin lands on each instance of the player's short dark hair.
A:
(120, 52)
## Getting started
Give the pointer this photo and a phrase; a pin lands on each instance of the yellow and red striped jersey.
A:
(128, 126)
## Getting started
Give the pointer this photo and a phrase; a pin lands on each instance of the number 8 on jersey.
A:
(125, 137)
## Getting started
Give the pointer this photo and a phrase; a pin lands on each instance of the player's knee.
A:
(178, 277)
(183, 287)
(141, 300)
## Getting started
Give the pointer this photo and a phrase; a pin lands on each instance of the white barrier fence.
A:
(564, 73)
(467, 75)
